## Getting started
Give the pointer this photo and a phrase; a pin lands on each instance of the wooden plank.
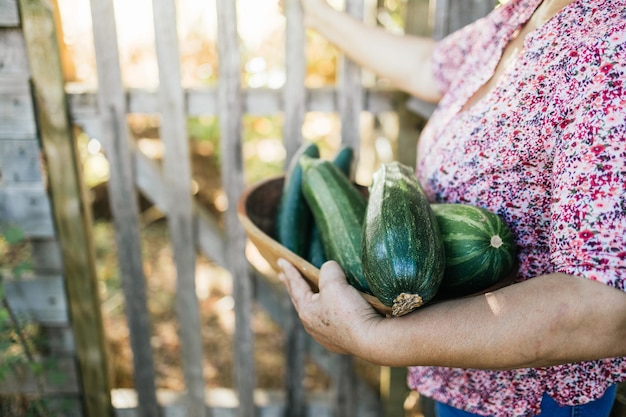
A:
(19, 161)
(350, 103)
(41, 299)
(72, 221)
(13, 60)
(60, 377)
(294, 94)
(412, 112)
(351, 93)
(223, 402)
(59, 340)
(393, 390)
(178, 193)
(230, 104)
(9, 15)
(209, 236)
(27, 207)
(203, 101)
(450, 15)
(123, 199)
(17, 119)
(46, 255)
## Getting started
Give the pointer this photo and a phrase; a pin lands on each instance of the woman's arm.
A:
(548, 320)
(404, 60)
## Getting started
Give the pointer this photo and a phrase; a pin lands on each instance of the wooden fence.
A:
(37, 115)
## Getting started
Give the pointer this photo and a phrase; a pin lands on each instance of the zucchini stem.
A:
(405, 303)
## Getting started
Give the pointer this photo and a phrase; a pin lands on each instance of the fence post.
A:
(230, 110)
(178, 194)
(68, 201)
(123, 200)
(294, 100)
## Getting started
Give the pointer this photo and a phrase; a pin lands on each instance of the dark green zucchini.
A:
(403, 253)
(480, 248)
(338, 210)
(344, 159)
(294, 218)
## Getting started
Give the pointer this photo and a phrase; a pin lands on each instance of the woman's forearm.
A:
(404, 60)
(549, 320)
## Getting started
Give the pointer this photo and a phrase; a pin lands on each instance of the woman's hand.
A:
(337, 316)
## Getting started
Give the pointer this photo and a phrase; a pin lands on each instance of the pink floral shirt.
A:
(546, 150)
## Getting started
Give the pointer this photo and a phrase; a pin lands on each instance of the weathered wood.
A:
(9, 15)
(351, 92)
(209, 236)
(60, 377)
(230, 117)
(17, 119)
(72, 221)
(59, 340)
(203, 101)
(27, 207)
(46, 256)
(223, 402)
(13, 59)
(294, 111)
(123, 200)
(294, 92)
(39, 299)
(19, 161)
(393, 390)
(177, 176)
(450, 15)
(350, 103)
(412, 112)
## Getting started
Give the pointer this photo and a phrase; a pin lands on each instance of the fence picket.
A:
(178, 193)
(294, 112)
(124, 205)
(350, 103)
(230, 111)
(351, 92)
(9, 15)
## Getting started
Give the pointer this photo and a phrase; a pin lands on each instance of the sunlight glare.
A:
(493, 302)
(94, 146)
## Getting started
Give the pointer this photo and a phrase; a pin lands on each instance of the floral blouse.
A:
(546, 150)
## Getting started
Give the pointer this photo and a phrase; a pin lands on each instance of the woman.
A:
(531, 124)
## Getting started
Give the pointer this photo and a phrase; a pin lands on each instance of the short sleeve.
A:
(473, 42)
(589, 178)
(450, 54)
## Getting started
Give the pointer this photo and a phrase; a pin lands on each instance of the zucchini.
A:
(294, 218)
(402, 248)
(480, 248)
(344, 159)
(338, 210)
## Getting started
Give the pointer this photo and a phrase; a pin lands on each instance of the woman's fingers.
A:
(331, 274)
(297, 287)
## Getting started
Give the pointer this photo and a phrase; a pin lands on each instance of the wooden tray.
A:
(257, 209)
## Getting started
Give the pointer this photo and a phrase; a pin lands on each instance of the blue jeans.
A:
(549, 408)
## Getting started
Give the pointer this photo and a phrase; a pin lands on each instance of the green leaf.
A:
(12, 234)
